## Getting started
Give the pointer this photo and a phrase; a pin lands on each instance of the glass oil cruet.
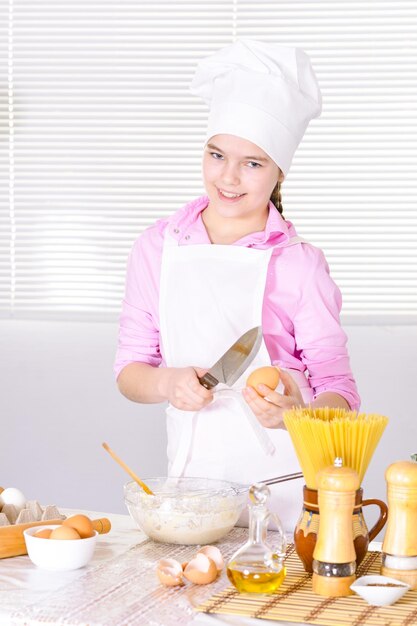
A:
(256, 567)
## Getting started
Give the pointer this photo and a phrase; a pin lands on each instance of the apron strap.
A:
(179, 464)
(260, 432)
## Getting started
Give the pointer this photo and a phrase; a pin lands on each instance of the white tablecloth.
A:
(23, 584)
(117, 588)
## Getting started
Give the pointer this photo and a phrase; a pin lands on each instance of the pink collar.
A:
(187, 223)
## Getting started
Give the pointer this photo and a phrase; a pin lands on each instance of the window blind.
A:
(102, 138)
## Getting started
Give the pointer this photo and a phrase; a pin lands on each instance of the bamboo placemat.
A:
(296, 602)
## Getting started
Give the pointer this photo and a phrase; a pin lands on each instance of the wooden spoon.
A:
(128, 470)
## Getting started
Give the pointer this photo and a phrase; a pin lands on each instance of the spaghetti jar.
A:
(399, 548)
(257, 567)
(334, 557)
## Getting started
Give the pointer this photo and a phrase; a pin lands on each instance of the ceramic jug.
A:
(305, 534)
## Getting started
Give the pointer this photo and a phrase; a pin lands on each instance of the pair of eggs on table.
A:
(202, 569)
(75, 527)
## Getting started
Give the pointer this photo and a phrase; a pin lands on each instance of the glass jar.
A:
(257, 567)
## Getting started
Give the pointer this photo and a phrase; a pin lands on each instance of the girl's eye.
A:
(216, 155)
(254, 164)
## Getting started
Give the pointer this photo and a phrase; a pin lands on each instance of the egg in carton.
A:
(15, 509)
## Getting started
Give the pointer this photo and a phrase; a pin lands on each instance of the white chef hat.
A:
(262, 92)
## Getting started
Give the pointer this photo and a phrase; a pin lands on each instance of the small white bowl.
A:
(58, 555)
(380, 595)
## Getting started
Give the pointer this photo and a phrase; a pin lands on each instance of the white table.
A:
(117, 588)
(23, 584)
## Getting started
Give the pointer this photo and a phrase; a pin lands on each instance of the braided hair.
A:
(276, 197)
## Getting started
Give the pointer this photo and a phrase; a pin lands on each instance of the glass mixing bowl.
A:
(187, 511)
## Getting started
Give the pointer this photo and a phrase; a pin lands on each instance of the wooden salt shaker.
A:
(399, 548)
(334, 557)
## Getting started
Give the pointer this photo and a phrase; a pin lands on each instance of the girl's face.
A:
(239, 177)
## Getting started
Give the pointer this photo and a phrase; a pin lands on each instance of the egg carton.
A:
(32, 512)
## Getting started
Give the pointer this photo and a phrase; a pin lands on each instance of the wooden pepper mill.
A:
(399, 549)
(334, 557)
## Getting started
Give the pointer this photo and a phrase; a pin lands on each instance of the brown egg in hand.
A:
(268, 376)
(82, 524)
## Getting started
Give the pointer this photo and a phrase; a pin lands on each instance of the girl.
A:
(229, 261)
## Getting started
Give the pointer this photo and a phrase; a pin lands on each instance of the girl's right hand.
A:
(182, 389)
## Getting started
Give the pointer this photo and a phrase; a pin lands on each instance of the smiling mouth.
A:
(228, 194)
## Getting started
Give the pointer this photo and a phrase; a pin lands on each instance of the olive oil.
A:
(256, 580)
(258, 567)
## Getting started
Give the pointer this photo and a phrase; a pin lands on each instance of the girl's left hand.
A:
(270, 409)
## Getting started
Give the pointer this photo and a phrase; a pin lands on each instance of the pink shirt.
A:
(301, 306)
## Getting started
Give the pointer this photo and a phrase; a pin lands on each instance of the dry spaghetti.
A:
(320, 435)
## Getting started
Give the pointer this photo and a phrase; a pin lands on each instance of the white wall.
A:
(59, 402)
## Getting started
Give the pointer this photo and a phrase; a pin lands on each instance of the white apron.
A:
(209, 296)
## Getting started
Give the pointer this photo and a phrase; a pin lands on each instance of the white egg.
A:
(11, 495)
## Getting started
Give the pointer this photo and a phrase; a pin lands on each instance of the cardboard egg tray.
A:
(32, 512)
(13, 523)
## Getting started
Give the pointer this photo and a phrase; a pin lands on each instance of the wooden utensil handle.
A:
(12, 541)
(208, 381)
(102, 525)
(127, 469)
